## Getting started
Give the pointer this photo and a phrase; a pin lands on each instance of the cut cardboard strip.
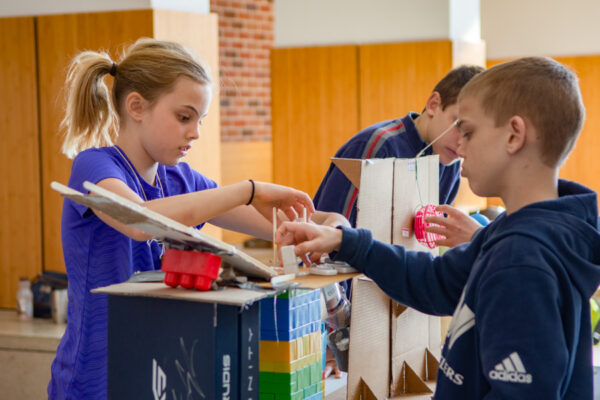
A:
(369, 339)
(375, 198)
(432, 366)
(163, 228)
(416, 183)
(435, 335)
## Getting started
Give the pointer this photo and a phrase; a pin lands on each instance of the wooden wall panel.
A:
(20, 209)
(199, 32)
(583, 165)
(314, 95)
(241, 161)
(396, 78)
(60, 38)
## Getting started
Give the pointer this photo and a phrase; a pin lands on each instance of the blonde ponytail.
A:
(149, 67)
(90, 120)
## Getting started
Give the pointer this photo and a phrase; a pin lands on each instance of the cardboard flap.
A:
(369, 351)
(365, 391)
(410, 382)
(229, 296)
(350, 167)
(163, 228)
(432, 366)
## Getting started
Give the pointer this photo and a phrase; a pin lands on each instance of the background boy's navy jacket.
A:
(519, 292)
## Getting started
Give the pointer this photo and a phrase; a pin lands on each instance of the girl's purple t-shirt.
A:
(97, 255)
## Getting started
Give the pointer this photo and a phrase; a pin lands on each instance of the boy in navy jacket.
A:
(519, 291)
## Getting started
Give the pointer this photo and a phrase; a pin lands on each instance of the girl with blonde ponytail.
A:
(130, 140)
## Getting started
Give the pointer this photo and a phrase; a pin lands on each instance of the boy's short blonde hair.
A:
(539, 89)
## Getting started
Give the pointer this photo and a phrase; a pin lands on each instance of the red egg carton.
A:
(190, 269)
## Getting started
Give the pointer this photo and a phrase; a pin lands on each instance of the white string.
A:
(452, 125)
(455, 123)
(162, 191)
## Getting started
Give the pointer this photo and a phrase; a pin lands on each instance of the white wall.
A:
(325, 22)
(10, 8)
(465, 20)
(517, 28)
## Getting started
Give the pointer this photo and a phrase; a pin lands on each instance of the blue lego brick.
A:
(289, 318)
(292, 334)
(324, 343)
(316, 396)
(294, 298)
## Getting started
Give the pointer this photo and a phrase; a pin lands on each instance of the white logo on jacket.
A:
(462, 320)
(511, 369)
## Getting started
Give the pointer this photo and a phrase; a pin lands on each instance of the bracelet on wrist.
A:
(251, 194)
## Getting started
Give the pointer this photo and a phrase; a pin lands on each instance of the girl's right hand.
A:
(291, 201)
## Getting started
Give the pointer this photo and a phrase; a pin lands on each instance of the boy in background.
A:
(520, 289)
(432, 131)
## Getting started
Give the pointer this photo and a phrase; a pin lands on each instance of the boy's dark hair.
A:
(539, 89)
(451, 84)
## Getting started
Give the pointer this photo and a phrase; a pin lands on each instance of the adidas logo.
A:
(511, 369)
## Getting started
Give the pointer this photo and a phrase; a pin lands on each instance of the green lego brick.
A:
(288, 384)
(266, 396)
(312, 389)
(316, 373)
(285, 382)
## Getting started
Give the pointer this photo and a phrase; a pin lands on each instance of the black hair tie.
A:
(113, 70)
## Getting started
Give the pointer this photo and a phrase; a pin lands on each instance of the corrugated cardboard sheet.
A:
(392, 348)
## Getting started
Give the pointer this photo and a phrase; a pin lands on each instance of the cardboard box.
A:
(170, 343)
(390, 192)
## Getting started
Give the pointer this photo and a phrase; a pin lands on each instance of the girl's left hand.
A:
(291, 201)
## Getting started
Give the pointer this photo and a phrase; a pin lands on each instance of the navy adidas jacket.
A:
(396, 138)
(519, 292)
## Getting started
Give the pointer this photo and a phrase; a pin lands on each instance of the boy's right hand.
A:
(311, 241)
(456, 228)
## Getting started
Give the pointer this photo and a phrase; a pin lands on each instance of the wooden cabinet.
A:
(315, 109)
(20, 202)
(31, 157)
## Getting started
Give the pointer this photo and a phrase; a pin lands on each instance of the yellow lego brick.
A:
(287, 352)
(265, 366)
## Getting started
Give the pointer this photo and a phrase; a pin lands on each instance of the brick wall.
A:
(245, 39)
